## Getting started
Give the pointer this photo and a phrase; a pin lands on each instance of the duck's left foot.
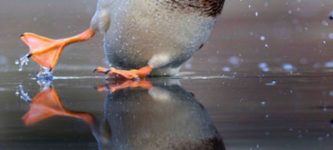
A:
(126, 74)
(45, 51)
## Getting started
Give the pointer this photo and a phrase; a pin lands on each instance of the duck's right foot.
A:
(126, 74)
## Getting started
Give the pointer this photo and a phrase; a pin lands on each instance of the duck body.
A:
(160, 33)
(141, 37)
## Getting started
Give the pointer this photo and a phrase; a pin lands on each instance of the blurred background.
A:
(251, 36)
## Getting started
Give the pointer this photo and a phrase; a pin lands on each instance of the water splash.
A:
(263, 66)
(45, 74)
(288, 67)
(44, 84)
(23, 61)
(22, 94)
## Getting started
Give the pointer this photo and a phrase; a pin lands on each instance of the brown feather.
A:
(210, 8)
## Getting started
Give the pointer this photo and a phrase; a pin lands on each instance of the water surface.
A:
(230, 112)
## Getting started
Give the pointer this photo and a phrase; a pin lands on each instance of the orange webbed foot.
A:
(45, 51)
(47, 104)
(126, 74)
(113, 87)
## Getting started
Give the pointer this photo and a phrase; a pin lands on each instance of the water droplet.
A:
(263, 67)
(256, 14)
(226, 69)
(288, 67)
(23, 61)
(267, 116)
(234, 60)
(263, 103)
(290, 12)
(262, 38)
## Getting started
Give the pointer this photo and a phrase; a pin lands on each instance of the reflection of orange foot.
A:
(127, 74)
(124, 85)
(45, 51)
(47, 104)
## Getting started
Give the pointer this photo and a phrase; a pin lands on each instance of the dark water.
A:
(192, 112)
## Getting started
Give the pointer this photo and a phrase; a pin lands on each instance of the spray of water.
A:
(45, 74)
(23, 61)
(22, 94)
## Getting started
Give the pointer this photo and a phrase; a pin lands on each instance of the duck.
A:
(141, 37)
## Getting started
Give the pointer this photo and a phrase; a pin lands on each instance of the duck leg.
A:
(46, 52)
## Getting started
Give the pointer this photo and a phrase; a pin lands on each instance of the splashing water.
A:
(22, 94)
(23, 61)
(45, 74)
(44, 78)
(44, 84)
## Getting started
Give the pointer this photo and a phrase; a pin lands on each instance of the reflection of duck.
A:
(163, 117)
(147, 35)
(140, 115)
